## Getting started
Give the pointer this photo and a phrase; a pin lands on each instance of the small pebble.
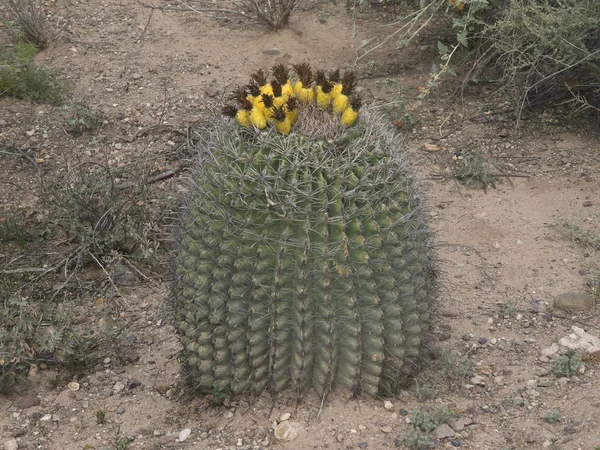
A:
(285, 416)
(363, 445)
(11, 444)
(403, 412)
(106, 361)
(120, 410)
(456, 443)
(482, 341)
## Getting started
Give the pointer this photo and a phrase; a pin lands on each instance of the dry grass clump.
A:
(30, 17)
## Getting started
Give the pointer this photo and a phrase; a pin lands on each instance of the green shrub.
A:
(20, 77)
(550, 49)
(34, 331)
(304, 261)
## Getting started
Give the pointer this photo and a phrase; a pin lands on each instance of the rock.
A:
(587, 204)
(132, 357)
(118, 387)
(137, 76)
(339, 437)
(133, 383)
(46, 418)
(29, 402)
(73, 387)
(11, 444)
(66, 397)
(389, 406)
(550, 351)
(106, 361)
(285, 416)
(574, 302)
(386, 429)
(503, 133)
(459, 424)
(397, 442)
(184, 434)
(443, 431)
(120, 410)
(161, 387)
(580, 340)
(403, 412)
(287, 431)
(482, 341)
(363, 445)
(211, 91)
(456, 443)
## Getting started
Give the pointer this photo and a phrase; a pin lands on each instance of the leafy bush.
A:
(20, 77)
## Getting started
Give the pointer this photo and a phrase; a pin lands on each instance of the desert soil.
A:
(503, 256)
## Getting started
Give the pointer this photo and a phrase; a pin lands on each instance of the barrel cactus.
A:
(304, 262)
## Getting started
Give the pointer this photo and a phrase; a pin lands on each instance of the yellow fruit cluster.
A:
(276, 101)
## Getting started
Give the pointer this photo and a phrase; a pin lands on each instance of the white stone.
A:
(389, 406)
(287, 431)
(285, 416)
(73, 386)
(580, 340)
(184, 434)
(550, 351)
(46, 418)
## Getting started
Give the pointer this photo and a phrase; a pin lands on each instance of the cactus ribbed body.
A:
(304, 262)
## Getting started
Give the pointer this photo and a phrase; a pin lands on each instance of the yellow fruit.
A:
(257, 118)
(323, 99)
(337, 89)
(288, 90)
(340, 103)
(349, 116)
(243, 118)
(291, 115)
(305, 95)
(266, 89)
(283, 126)
(298, 87)
(256, 101)
(279, 101)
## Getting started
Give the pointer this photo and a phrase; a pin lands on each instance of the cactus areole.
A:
(304, 262)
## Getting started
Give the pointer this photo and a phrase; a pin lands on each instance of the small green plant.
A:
(36, 331)
(11, 229)
(100, 416)
(120, 442)
(478, 170)
(510, 309)
(423, 424)
(566, 365)
(20, 77)
(586, 234)
(80, 118)
(553, 417)
(218, 394)
(447, 372)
